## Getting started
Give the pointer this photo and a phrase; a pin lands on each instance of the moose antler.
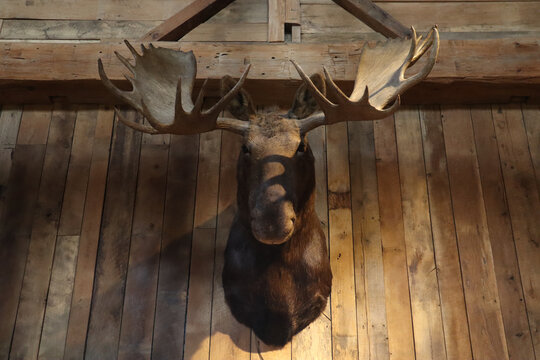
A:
(380, 81)
(162, 88)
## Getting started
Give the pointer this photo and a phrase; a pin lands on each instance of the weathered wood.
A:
(112, 258)
(396, 285)
(518, 336)
(454, 313)
(171, 301)
(88, 242)
(16, 223)
(367, 240)
(114, 10)
(55, 323)
(531, 117)
(27, 332)
(524, 204)
(187, 19)
(118, 30)
(229, 339)
(461, 74)
(480, 285)
(276, 20)
(141, 283)
(480, 17)
(201, 275)
(423, 281)
(10, 119)
(79, 167)
(343, 302)
(375, 17)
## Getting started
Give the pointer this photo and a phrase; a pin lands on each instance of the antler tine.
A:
(134, 125)
(222, 103)
(423, 47)
(321, 100)
(124, 95)
(125, 61)
(132, 49)
(428, 66)
(334, 89)
(200, 97)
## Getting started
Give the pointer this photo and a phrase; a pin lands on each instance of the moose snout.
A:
(272, 217)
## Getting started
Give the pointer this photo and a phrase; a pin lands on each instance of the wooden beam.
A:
(375, 17)
(467, 71)
(186, 20)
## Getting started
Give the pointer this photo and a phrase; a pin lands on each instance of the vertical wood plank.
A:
(480, 287)
(37, 272)
(88, 242)
(10, 119)
(114, 243)
(398, 306)
(79, 168)
(171, 297)
(201, 275)
(514, 314)
(367, 239)
(16, 223)
(531, 117)
(53, 334)
(343, 304)
(316, 340)
(34, 126)
(141, 283)
(454, 313)
(423, 282)
(524, 205)
(276, 20)
(229, 338)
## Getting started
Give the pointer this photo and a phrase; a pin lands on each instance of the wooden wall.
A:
(247, 20)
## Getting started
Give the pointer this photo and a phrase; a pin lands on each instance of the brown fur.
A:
(277, 275)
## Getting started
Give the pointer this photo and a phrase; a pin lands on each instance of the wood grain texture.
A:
(531, 117)
(201, 275)
(524, 205)
(343, 302)
(398, 303)
(88, 242)
(27, 332)
(375, 17)
(16, 223)
(276, 20)
(367, 240)
(187, 19)
(454, 312)
(480, 285)
(141, 283)
(423, 280)
(171, 301)
(55, 322)
(518, 337)
(113, 252)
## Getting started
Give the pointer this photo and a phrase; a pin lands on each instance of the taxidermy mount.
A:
(277, 275)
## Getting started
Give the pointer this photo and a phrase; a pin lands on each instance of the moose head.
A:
(163, 82)
(276, 276)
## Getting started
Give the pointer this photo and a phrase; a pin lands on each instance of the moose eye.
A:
(245, 149)
(301, 147)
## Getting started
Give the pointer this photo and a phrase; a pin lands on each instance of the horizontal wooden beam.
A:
(465, 71)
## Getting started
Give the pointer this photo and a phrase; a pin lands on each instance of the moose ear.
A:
(304, 103)
(241, 106)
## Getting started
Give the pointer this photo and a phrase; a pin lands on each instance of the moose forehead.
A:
(272, 135)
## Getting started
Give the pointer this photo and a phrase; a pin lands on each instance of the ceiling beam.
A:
(465, 71)
(375, 17)
(186, 20)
